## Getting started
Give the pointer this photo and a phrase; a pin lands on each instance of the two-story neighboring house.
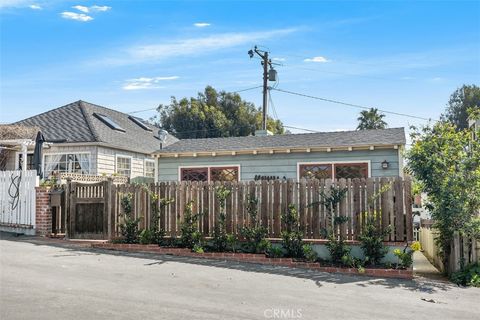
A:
(85, 138)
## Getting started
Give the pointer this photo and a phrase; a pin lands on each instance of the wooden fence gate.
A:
(88, 207)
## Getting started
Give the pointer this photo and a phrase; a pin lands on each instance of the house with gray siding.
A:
(88, 139)
(348, 154)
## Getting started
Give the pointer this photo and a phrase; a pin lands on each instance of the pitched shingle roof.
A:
(394, 136)
(75, 122)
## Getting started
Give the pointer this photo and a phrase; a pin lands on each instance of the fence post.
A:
(107, 194)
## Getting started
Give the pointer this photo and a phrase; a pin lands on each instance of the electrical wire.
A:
(349, 104)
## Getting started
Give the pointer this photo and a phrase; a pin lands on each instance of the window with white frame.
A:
(30, 165)
(227, 173)
(333, 170)
(149, 169)
(124, 166)
(67, 162)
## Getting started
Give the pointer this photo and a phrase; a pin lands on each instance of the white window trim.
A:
(368, 162)
(67, 152)
(124, 156)
(145, 167)
(208, 168)
(17, 158)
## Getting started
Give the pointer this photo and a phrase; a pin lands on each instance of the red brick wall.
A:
(43, 215)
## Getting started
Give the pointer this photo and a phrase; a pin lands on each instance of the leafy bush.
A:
(129, 227)
(158, 234)
(254, 234)
(405, 258)
(309, 254)
(274, 252)
(338, 250)
(371, 242)
(197, 248)
(220, 236)
(146, 236)
(292, 237)
(190, 236)
(232, 242)
(469, 276)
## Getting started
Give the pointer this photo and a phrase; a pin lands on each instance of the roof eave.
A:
(273, 150)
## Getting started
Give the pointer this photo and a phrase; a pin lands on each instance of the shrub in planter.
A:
(405, 258)
(274, 252)
(220, 241)
(190, 236)
(309, 254)
(292, 237)
(371, 242)
(129, 227)
(254, 234)
(146, 236)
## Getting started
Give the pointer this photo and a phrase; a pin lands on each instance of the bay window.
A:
(67, 162)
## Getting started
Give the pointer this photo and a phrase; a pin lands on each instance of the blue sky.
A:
(405, 57)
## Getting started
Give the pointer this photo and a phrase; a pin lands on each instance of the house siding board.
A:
(107, 161)
(282, 164)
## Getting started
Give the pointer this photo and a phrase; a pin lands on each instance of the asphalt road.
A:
(45, 281)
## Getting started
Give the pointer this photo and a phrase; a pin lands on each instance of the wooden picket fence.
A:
(385, 200)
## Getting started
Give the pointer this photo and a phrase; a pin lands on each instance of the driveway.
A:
(43, 280)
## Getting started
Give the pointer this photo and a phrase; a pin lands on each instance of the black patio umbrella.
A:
(37, 155)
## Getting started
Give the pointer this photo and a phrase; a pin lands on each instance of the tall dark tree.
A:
(213, 114)
(371, 119)
(462, 99)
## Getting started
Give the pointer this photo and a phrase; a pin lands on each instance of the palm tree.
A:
(371, 119)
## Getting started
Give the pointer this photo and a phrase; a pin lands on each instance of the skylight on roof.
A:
(109, 122)
(139, 123)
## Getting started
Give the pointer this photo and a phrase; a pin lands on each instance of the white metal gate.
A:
(17, 198)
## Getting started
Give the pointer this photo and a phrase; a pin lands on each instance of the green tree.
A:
(213, 114)
(447, 164)
(371, 119)
(464, 98)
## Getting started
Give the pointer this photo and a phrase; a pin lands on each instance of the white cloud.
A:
(201, 24)
(35, 7)
(100, 8)
(191, 46)
(76, 16)
(146, 83)
(317, 59)
(13, 3)
(81, 8)
(94, 8)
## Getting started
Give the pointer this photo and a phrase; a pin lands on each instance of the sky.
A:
(400, 56)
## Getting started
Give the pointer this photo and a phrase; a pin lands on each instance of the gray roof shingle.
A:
(75, 122)
(393, 136)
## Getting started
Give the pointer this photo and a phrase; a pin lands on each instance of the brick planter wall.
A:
(43, 214)
(255, 258)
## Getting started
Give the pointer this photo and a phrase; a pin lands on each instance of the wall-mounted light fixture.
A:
(385, 164)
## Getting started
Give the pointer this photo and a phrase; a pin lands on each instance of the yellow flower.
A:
(415, 246)
(397, 252)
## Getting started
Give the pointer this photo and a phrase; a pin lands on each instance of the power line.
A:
(247, 89)
(304, 129)
(348, 104)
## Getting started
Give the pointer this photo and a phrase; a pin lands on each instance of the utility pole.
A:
(266, 62)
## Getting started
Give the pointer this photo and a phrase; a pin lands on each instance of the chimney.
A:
(262, 133)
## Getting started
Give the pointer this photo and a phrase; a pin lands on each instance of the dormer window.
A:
(109, 122)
